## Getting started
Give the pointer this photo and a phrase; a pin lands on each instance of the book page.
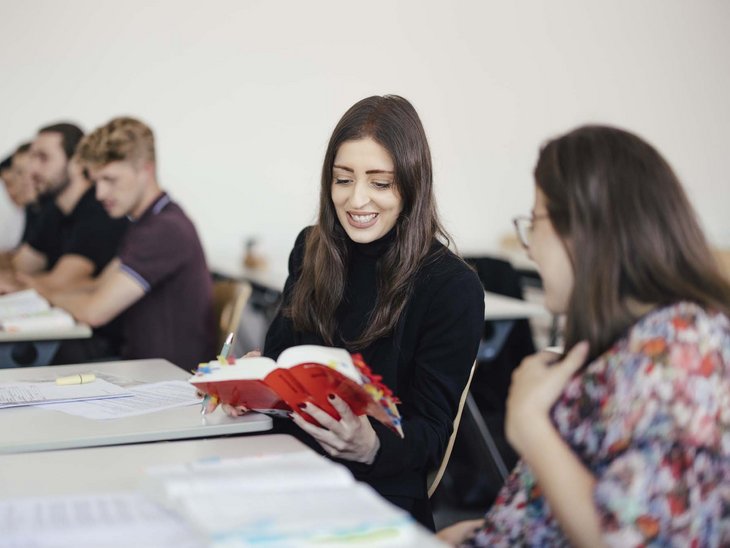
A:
(336, 358)
(243, 369)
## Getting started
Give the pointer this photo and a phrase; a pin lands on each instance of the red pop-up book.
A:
(302, 374)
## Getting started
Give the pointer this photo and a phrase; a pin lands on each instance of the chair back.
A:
(229, 299)
(723, 259)
(435, 477)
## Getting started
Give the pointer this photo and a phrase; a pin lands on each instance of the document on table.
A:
(247, 476)
(16, 394)
(292, 499)
(145, 398)
(111, 519)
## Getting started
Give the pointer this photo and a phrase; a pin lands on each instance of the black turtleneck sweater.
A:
(426, 361)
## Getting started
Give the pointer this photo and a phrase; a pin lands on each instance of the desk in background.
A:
(36, 348)
(502, 312)
(33, 428)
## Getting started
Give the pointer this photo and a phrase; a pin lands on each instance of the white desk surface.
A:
(78, 331)
(499, 307)
(100, 470)
(269, 277)
(32, 428)
(104, 469)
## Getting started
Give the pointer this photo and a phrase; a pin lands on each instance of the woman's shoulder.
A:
(684, 338)
(296, 256)
(682, 322)
(302, 236)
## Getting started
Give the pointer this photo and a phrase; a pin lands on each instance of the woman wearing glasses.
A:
(625, 439)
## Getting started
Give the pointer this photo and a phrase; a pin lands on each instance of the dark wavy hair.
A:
(71, 136)
(629, 229)
(393, 123)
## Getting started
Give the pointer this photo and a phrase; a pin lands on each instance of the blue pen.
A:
(224, 354)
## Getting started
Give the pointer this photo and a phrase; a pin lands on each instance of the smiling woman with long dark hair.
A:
(375, 276)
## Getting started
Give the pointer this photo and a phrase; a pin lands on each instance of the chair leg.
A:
(486, 436)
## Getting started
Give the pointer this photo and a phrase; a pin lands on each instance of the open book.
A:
(25, 311)
(302, 374)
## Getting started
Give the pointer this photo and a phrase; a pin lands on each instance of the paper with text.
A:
(16, 394)
(145, 398)
(109, 519)
(304, 470)
(284, 500)
(21, 303)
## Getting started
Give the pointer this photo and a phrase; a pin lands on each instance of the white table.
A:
(103, 470)
(32, 428)
(269, 278)
(42, 345)
(88, 470)
(502, 312)
(499, 307)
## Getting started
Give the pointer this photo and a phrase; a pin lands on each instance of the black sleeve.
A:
(96, 237)
(280, 335)
(448, 340)
(32, 221)
(45, 233)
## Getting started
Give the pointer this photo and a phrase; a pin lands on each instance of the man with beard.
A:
(75, 238)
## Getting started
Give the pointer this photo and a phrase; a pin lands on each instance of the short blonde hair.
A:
(121, 139)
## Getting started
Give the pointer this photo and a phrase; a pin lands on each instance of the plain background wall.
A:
(243, 94)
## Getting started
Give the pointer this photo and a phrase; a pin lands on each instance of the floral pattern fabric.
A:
(651, 419)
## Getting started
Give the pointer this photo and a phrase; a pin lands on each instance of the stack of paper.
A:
(112, 520)
(295, 499)
(22, 303)
(25, 311)
(17, 394)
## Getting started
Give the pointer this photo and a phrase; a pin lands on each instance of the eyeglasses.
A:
(524, 225)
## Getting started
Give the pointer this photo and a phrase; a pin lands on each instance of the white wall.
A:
(244, 94)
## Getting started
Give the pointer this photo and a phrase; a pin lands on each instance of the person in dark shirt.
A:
(74, 238)
(159, 278)
(373, 276)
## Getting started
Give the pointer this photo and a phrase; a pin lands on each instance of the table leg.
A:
(27, 353)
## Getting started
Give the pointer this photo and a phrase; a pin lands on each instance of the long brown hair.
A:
(629, 229)
(393, 123)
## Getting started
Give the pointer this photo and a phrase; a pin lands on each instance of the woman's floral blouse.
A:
(651, 419)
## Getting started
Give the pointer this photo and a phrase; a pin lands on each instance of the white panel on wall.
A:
(244, 94)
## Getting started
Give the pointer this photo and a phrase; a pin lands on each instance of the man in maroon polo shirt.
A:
(159, 279)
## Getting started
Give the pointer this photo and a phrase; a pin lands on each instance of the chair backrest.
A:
(723, 258)
(229, 299)
(435, 477)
